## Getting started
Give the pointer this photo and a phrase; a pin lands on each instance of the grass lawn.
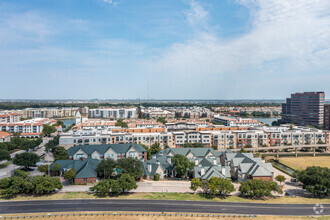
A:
(303, 162)
(173, 196)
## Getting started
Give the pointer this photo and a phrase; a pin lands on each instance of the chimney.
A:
(153, 156)
(196, 162)
(202, 171)
(223, 170)
(214, 162)
(149, 167)
(82, 158)
(169, 160)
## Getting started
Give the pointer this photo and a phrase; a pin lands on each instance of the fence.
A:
(129, 214)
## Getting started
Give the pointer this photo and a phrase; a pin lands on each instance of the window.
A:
(85, 179)
(132, 154)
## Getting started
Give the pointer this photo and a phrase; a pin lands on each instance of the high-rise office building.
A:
(304, 109)
(327, 116)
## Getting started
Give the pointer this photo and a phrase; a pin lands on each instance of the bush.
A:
(157, 176)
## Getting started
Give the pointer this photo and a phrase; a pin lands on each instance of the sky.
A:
(182, 49)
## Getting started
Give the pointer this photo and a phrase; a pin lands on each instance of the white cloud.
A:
(196, 15)
(112, 2)
(285, 36)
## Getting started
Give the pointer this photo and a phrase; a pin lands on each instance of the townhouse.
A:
(206, 163)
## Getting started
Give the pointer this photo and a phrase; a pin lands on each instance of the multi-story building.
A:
(236, 122)
(186, 125)
(10, 117)
(327, 117)
(304, 109)
(222, 138)
(28, 128)
(4, 137)
(50, 112)
(114, 113)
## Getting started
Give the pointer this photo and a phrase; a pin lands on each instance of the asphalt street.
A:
(15, 207)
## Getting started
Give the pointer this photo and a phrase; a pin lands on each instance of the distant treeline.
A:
(23, 105)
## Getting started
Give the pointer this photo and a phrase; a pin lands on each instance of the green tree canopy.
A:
(26, 159)
(4, 154)
(280, 178)
(194, 184)
(155, 148)
(162, 120)
(70, 174)
(132, 166)
(60, 153)
(43, 168)
(258, 188)
(315, 179)
(48, 130)
(105, 167)
(182, 165)
(121, 123)
(127, 182)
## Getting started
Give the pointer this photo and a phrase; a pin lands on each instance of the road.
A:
(15, 207)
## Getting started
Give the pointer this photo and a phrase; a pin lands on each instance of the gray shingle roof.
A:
(102, 148)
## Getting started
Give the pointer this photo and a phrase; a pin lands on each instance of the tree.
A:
(115, 188)
(26, 159)
(121, 123)
(148, 151)
(215, 147)
(106, 167)
(60, 153)
(243, 150)
(50, 146)
(43, 168)
(166, 146)
(48, 130)
(280, 178)
(225, 187)
(162, 120)
(70, 174)
(56, 167)
(155, 148)
(102, 188)
(20, 173)
(248, 146)
(214, 183)
(315, 179)
(194, 184)
(4, 155)
(46, 184)
(157, 177)
(182, 165)
(258, 188)
(127, 182)
(132, 166)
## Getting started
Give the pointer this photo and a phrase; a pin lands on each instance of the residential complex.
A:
(194, 112)
(49, 112)
(273, 111)
(304, 109)
(114, 113)
(235, 122)
(209, 163)
(10, 117)
(84, 159)
(222, 137)
(28, 128)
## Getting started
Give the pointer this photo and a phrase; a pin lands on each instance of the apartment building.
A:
(236, 122)
(10, 117)
(114, 113)
(153, 112)
(4, 137)
(60, 112)
(222, 138)
(29, 128)
(326, 122)
(304, 109)
(187, 125)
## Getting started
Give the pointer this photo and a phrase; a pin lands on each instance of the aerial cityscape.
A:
(179, 109)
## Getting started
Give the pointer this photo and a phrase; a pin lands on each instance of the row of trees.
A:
(22, 183)
(222, 187)
(213, 187)
(17, 143)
